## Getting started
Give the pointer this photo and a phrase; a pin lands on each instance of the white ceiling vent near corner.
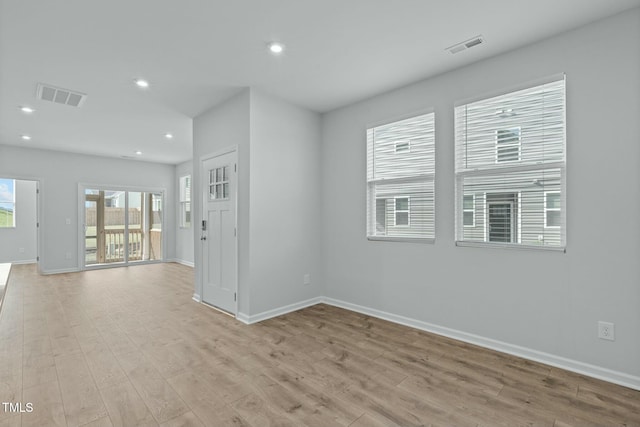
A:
(467, 44)
(60, 96)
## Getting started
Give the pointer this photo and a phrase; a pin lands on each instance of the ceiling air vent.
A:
(60, 96)
(465, 44)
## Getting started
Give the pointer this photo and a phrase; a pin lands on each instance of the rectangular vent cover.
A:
(60, 96)
(467, 44)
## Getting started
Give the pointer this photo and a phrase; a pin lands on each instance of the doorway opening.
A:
(19, 220)
(121, 226)
(502, 212)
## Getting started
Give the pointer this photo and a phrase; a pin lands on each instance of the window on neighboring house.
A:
(402, 211)
(7, 203)
(469, 210)
(400, 179)
(403, 146)
(510, 168)
(552, 214)
(185, 201)
(507, 145)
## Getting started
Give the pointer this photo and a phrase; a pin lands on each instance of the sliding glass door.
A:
(122, 226)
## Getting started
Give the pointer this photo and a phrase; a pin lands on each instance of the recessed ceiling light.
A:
(27, 110)
(141, 83)
(168, 135)
(25, 137)
(139, 153)
(276, 47)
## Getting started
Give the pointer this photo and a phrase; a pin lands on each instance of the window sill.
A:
(402, 239)
(511, 246)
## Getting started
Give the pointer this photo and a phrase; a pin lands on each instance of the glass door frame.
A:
(82, 187)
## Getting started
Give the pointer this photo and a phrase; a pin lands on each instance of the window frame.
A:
(472, 210)
(517, 144)
(465, 170)
(221, 182)
(396, 211)
(13, 205)
(185, 200)
(406, 143)
(370, 183)
(547, 209)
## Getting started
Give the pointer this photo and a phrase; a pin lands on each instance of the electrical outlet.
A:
(69, 255)
(21, 250)
(307, 279)
(606, 331)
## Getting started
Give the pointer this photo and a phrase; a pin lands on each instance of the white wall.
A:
(285, 203)
(548, 302)
(184, 236)
(278, 206)
(59, 174)
(225, 126)
(19, 244)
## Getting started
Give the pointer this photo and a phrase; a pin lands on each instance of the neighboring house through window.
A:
(7, 203)
(552, 212)
(402, 211)
(400, 179)
(508, 145)
(469, 208)
(510, 168)
(185, 201)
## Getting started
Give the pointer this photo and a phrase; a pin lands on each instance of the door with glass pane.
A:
(219, 244)
(502, 218)
(122, 226)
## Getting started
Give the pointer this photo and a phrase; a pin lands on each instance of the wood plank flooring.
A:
(128, 347)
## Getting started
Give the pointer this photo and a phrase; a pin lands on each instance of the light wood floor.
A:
(128, 346)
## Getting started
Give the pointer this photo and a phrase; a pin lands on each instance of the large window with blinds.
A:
(400, 180)
(510, 168)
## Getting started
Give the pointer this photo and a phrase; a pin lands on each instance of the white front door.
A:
(219, 243)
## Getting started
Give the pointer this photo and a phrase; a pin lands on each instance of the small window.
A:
(402, 211)
(219, 183)
(400, 180)
(403, 147)
(185, 201)
(469, 210)
(7, 203)
(552, 216)
(508, 145)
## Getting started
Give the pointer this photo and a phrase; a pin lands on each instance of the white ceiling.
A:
(198, 53)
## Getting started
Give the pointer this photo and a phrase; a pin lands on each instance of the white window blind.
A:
(400, 179)
(510, 160)
(185, 201)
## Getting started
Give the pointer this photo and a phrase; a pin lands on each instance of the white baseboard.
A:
(183, 262)
(196, 298)
(244, 318)
(594, 371)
